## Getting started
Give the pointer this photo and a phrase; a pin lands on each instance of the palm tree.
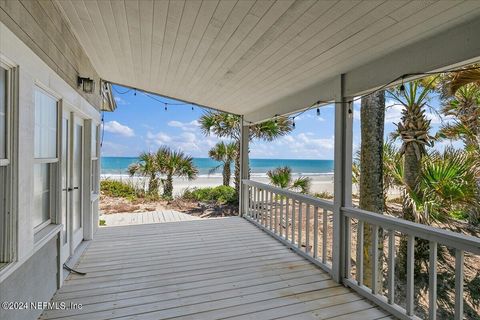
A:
(147, 167)
(372, 118)
(225, 125)
(448, 183)
(226, 154)
(282, 178)
(174, 163)
(461, 100)
(413, 129)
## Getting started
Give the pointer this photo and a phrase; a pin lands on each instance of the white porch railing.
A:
(305, 224)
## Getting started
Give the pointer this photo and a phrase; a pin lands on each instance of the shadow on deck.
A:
(203, 269)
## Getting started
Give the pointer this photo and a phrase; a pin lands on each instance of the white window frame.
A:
(54, 187)
(8, 223)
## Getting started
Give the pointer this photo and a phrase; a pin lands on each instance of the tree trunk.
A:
(153, 185)
(226, 173)
(237, 170)
(371, 172)
(412, 167)
(168, 186)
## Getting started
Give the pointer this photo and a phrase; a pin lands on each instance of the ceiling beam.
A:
(450, 48)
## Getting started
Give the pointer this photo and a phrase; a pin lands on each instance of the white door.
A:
(72, 182)
(65, 177)
(76, 181)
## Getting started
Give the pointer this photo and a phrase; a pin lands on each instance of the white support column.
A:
(342, 177)
(244, 167)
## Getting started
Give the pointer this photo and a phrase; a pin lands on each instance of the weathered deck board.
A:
(202, 269)
(123, 219)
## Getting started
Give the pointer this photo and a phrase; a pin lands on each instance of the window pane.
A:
(41, 194)
(45, 126)
(3, 115)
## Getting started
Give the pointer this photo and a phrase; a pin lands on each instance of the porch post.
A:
(342, 177)
(244, 166)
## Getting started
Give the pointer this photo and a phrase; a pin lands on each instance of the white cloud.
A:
(120, 101)
(393, 113)
(118, 128)
(192, 143)
(159, 138)
(186, 126)
(300, 146)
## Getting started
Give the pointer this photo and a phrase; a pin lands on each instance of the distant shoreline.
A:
(319, 183)
(117, 166)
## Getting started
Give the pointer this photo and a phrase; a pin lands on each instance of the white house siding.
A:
(34, 276)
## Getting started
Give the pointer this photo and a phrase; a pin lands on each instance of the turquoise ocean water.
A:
(259, 167)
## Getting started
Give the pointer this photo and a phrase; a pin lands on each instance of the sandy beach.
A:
(320, 183)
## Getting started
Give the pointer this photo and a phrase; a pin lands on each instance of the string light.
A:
(402, 87)
(135, 93)
(166, 107)
(318, 103)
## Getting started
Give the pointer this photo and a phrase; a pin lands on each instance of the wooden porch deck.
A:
(202, 269)
(129, 218)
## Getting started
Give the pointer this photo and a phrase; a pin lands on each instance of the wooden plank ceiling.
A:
(239, 56)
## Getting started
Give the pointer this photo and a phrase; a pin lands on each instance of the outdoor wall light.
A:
(87, 84)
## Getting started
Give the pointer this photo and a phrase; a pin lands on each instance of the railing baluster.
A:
(391, 267)
(294, 212)
(249, 202)
(281, 216)
(259, 204)
(270, 214)
(262, 215)
(374, 259)
(307, 229)
(324, 236)
(315, 232)
(254, 213)
(360, 253)
(287, 217)
(348, 247)
(265, 213)
(410, 274)
(275, 218)
(459, 265)
(300, 225)
(432, 283)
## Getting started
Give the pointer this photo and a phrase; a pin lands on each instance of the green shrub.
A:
(324, 195)
(219, 195)
(119, 189)
(102, 222)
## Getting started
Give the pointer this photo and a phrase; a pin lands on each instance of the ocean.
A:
(259, 167)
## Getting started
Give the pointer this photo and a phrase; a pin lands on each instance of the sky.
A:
(141, 123)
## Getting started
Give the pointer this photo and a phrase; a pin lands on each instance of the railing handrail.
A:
(293, 195)
(262, 208)
(445, 237)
